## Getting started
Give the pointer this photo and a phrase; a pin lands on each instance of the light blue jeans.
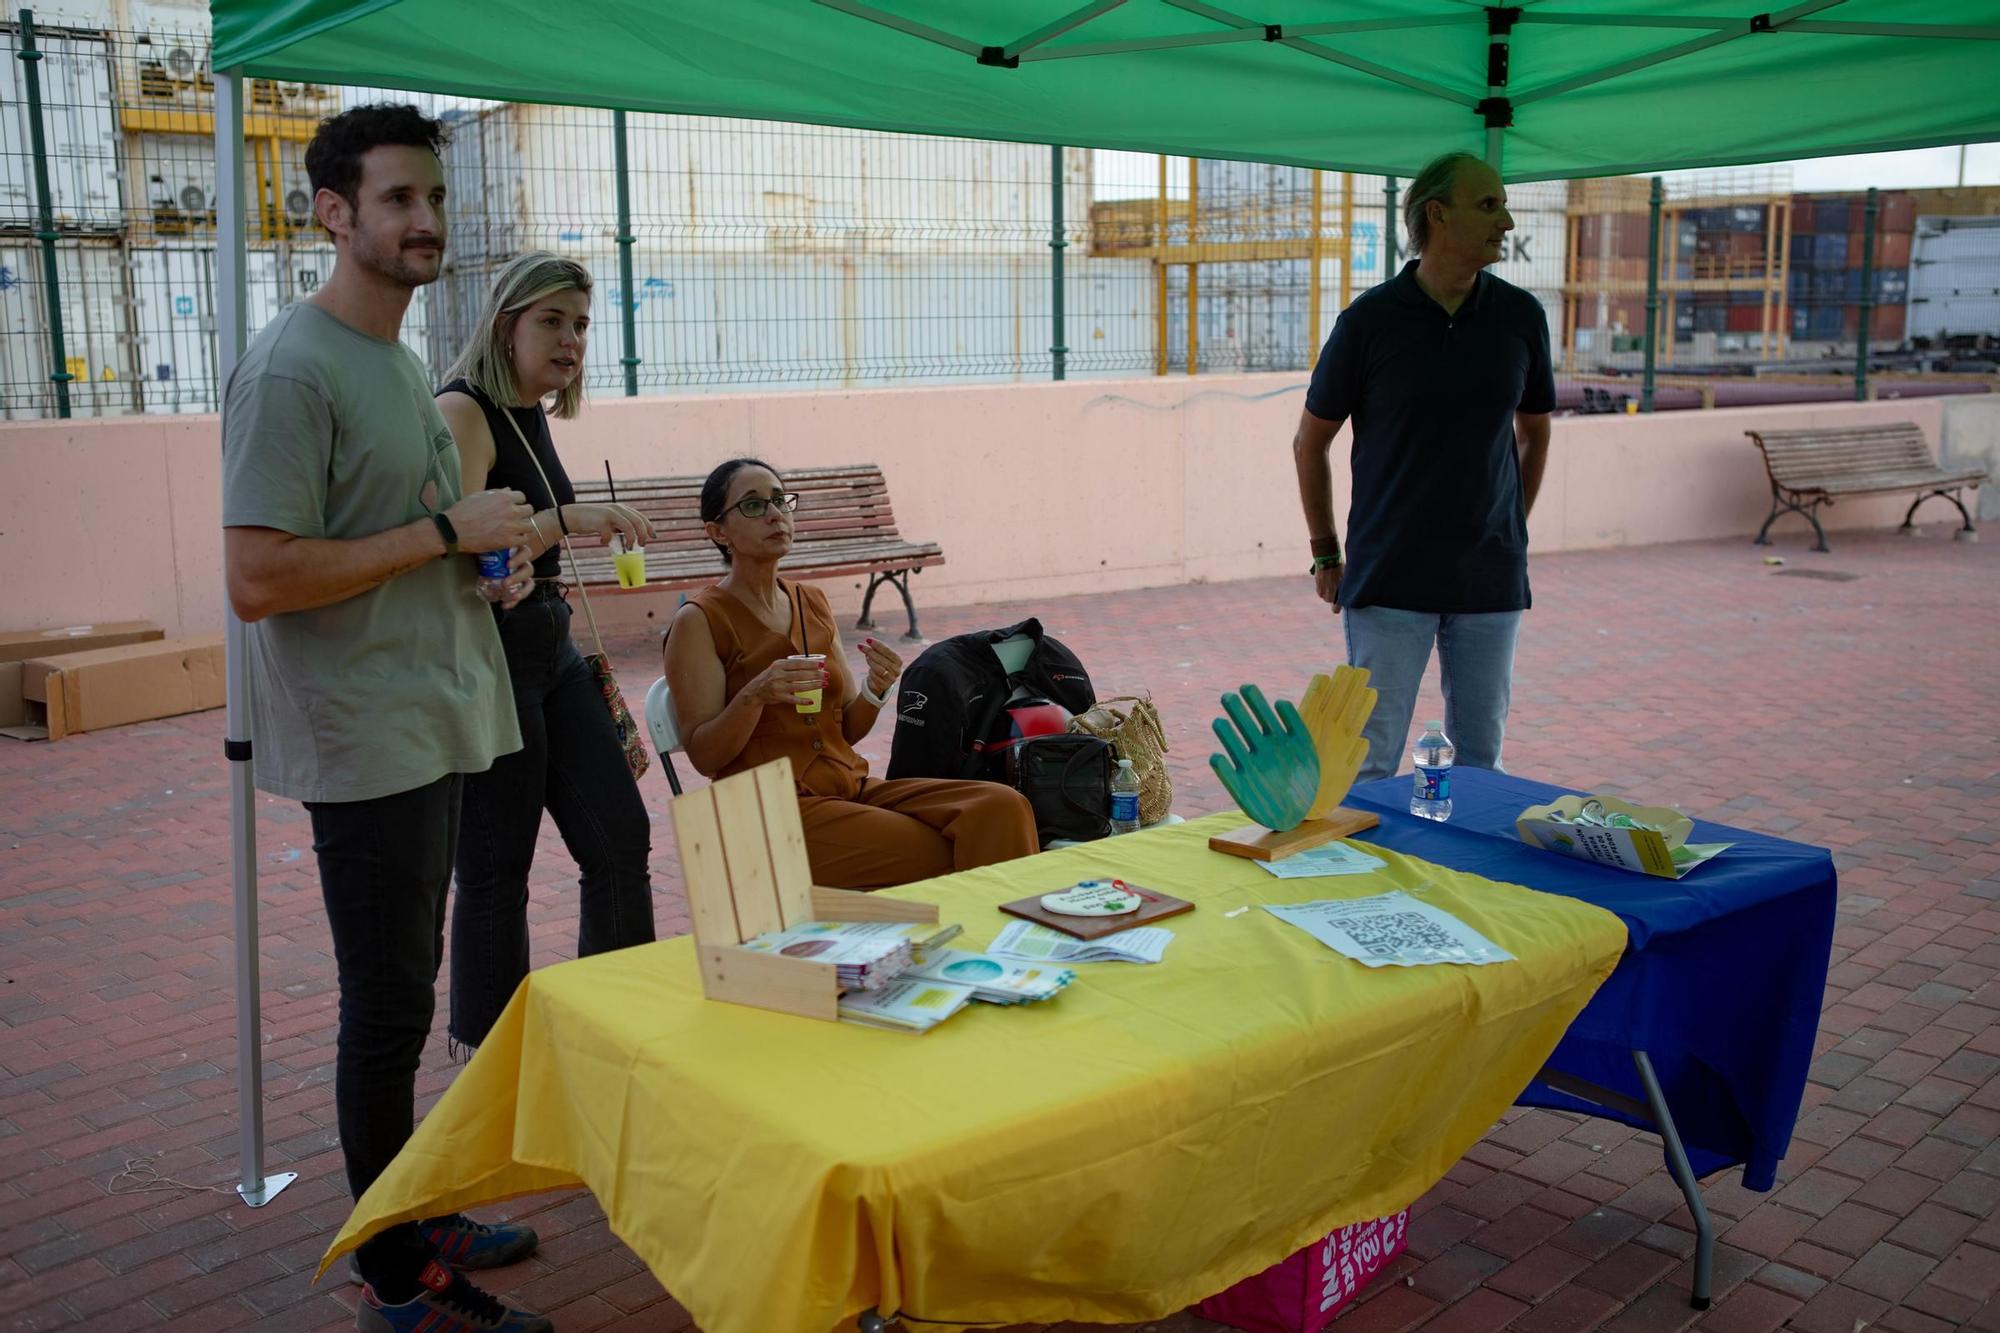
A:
(1475, 659)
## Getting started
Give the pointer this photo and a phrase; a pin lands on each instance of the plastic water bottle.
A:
(1124, 799)
(1430, 793)
(493, 569)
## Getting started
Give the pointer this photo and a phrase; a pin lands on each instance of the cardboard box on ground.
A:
(17, 646)
(137, 676)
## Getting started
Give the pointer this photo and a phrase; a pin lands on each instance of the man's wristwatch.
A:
(1323, 562)
(448, 532)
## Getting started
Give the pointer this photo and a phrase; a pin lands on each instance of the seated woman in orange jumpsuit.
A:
(733, 663)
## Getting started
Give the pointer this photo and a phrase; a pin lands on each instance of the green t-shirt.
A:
(328, 432)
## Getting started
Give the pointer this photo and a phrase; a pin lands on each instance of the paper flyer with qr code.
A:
(1391, 930)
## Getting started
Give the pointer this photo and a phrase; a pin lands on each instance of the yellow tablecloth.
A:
(1147, 1138)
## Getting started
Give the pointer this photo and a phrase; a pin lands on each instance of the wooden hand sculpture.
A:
(1272, 769)
(1335, 710)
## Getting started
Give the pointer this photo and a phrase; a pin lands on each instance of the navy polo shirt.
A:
(1437, 522)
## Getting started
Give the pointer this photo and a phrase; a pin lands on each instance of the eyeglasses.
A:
(753, 506)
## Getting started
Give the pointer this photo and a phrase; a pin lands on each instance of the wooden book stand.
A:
(743, 857)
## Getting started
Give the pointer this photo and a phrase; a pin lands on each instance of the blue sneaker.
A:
(465, 1244)
(445, 1303)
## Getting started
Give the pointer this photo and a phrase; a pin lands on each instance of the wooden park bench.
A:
(843, 526)
(1809, 468)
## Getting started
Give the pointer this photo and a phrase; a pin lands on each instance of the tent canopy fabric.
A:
(1591, 87)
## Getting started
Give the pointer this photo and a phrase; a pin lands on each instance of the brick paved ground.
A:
(1860, 715)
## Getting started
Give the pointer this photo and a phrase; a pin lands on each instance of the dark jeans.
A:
(569, 763)
(384, 868)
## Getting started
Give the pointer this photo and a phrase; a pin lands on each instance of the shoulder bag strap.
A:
(575, 572)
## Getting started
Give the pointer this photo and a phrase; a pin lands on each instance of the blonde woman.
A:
(528, 348)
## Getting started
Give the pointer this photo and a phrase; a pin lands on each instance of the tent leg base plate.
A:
(267, 1189)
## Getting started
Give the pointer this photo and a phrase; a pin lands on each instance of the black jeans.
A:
(384, 869)
(571, 764)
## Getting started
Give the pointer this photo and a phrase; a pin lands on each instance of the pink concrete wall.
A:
(1034, 490)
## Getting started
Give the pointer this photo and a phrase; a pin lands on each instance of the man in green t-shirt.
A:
(377, 674)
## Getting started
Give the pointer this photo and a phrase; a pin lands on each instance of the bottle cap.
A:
(1124, 763)
(1433, 726)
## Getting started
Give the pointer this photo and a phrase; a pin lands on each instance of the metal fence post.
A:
(45, 211)
(1389, 232)
(1058, 348)
(628, 313)
(1652, 296)
(1867, 300)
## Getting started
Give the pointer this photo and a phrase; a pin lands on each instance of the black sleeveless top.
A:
(512, 469)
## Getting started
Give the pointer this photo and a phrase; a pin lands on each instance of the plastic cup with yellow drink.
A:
(810, 701)
(629, 559)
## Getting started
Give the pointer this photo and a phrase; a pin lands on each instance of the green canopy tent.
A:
(1544, 90)
(1582, 87)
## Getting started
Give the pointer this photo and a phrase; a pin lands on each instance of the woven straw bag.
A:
(1135, 733)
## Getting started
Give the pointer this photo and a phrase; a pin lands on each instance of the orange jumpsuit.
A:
(860, 833)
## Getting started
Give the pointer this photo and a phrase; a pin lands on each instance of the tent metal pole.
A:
(1497, 110)
(1076, 18)
(1957, 32)
(1740, 28)
(1253, 33)
(256, 1188)
(901, 24)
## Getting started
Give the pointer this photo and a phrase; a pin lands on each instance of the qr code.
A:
(1387, 934)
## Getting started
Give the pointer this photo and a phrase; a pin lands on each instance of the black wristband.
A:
(448, 532)
(561, 526)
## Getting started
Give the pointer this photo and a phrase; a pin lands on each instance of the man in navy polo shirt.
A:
(1444, 370)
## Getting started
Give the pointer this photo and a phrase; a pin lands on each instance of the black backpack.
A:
(1067, 779)
(951, 705)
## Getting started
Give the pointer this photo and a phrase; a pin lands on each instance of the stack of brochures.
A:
(993, 980)
(907, 1004)
(1038, 944)
(865, 955)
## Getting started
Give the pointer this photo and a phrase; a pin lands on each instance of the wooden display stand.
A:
(1334, 711)
(1261, 844)
(743, 857)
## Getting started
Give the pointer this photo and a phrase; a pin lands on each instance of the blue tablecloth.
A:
(1720, 985)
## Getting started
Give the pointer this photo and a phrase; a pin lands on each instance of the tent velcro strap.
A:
(1274, 32)
(236, 752)
(997, 57)
(1498, 111)
(1761, 23)
(1500, 21)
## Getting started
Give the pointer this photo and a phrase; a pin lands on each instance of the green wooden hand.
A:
(1272, 769)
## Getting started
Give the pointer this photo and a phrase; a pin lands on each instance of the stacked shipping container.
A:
(1829, 233)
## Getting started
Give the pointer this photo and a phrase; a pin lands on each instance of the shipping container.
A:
(525, 176)
(1745, 319)
(1832, 216)
(1892, 250)
(79, 134)
(94, 296)
(1829, 250)
(1955, 278)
